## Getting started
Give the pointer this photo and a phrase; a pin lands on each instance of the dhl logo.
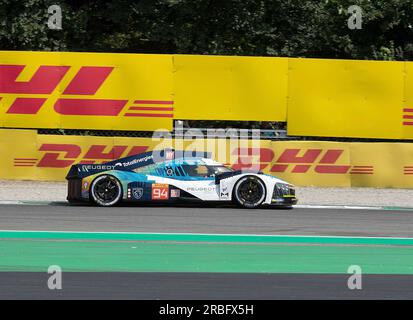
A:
(323, 161)
(86, 82)
(318, 159)
(408, 170)
(407, 117)
(65, 155)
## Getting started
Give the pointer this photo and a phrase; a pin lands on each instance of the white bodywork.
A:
(207, 190)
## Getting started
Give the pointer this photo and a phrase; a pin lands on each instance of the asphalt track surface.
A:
(203, 286)
(195, 219)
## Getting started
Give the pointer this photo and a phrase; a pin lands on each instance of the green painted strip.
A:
(193, 237)
(163, 252)
(390, 208)
(37, 255)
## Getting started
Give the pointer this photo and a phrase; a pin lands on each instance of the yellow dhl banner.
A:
(349, 98)
(27, 155)
(136, 91)
(86, 91)
(317, 97)
(230, 88)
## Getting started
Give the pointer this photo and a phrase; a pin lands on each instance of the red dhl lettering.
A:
(87, 81)
(299, 160)
(26, 105)
(65, 155)
(44, 80)
(89, 107)
(51, 159)
(252, 158)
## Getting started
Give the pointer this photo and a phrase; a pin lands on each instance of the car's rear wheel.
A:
(249, 192)
(106, 190)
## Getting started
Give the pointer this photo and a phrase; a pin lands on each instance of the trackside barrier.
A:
(317, 97)
(349, 98)
(86, 91)
(27, 155)
(230, 88)
(135, 91)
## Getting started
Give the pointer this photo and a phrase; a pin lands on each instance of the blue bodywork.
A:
(147, 177)
(133, 172)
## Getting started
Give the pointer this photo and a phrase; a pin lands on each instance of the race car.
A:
(172, 176)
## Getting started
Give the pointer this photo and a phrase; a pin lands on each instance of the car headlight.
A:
(282, 186)
(285, 189)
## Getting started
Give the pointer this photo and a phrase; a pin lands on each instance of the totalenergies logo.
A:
(296, 161)
(65, 155)
(86, 82)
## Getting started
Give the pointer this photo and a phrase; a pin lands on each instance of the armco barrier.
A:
(26, 155)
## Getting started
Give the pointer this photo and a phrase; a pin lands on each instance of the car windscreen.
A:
(204, 170)
(215, 170)
(196, 170)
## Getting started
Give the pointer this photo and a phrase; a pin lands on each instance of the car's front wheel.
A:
(106, 190)
(249, 192)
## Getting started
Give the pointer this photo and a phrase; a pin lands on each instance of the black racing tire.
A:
(249, 192)
(106, 190)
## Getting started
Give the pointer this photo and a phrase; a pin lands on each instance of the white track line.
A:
(299, 206)
(204, 234)
(311, 206)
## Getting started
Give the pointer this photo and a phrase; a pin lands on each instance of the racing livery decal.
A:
(137, 193)
(160, 191)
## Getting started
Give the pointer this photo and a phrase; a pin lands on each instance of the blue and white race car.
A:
(173, 176)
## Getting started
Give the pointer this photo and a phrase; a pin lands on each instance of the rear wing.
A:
(130, 163)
